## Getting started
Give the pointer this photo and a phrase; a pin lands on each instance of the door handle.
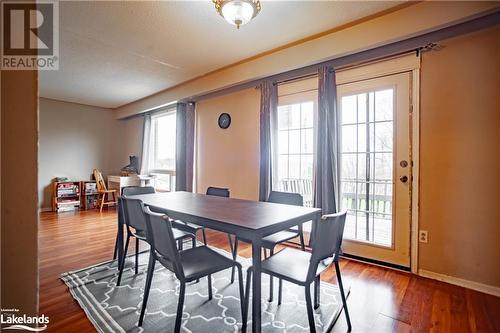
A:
(403, 179)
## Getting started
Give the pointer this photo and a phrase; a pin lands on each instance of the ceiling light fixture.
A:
(237, 12)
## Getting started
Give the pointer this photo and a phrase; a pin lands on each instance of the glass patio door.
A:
(375, 167)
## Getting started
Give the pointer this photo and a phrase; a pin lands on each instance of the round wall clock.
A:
(224, 120)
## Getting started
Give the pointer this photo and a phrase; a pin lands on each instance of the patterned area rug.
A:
(116, 309)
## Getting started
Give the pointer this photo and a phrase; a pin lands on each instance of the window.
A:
(162, 150)
(295, 149)
(293, 143)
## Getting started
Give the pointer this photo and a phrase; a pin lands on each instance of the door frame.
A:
(411, 63)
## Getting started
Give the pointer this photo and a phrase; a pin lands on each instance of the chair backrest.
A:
(218, 191)
(101, 185)
(136, 190)
(328, 235)
(161, 239)
(286, 198)
(133, 211)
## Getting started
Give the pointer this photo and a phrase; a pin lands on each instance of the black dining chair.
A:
(270, 242)
(188, 265)
(135, 222)
(131, 190)
(304, 268)
(223, 192)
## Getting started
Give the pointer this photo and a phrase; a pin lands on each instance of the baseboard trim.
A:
(44, 209)
(484, 288)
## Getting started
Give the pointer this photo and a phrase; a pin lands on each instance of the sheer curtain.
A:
(326, 175)
(146, 145)
(184, 147)
(268, 123)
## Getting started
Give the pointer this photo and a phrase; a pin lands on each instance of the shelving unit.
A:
(90, 196)
(66, 196)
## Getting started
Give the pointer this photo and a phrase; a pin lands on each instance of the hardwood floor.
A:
(381, 300)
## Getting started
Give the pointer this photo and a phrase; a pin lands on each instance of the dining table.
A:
(246, 219)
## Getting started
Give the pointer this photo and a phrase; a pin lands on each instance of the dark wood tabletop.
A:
(261, 217)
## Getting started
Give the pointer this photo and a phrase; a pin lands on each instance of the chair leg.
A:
(149, 278)
(317, 291)
(204, 235)
(310, 314)
(102, 202)
(209, 278)
(271, 280)
(246, 301)
(235, 253)
(242, 292)
(193, 245)
(123, 261)
(136, 256)
(280, 291)
(180, 307)
(301, 238)
(342, 295)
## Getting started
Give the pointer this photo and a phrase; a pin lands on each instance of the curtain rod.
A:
(412, 44)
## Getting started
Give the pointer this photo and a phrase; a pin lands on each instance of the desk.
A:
(119, 182)
(251, 220)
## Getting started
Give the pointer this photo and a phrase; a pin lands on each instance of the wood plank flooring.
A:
(381, 300)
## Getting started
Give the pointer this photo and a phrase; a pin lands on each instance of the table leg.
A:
(313, 229)
(256, 284)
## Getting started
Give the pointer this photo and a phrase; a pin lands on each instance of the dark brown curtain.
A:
(268, 111)
(184, 147)
(327, 137)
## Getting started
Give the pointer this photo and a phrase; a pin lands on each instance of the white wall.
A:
(75, 139)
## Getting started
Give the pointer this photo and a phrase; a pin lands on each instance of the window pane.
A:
(362, 166)
(307, 114)
(294, 141)
(307, 141)
(284, 116)
(362, 138)
(371, 103)
(383, 105)
(383, 136)
(362, 108)
(282, 167)
(349, 109)
(348, 166)
(294, 166)
(348, 195)
(306, 167)
(294, 116)
(283, 142)
(350, 226)
(383, 166)
(349, 138)
(165, 142)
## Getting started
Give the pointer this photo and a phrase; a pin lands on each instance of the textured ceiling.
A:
(113, 53)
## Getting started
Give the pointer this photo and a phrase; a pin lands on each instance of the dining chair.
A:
(131, 190)
(188, 265)
(223, 192)
(304, 268)
(194, 228)
(135, 222)
(103, 191)
(270, 242)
